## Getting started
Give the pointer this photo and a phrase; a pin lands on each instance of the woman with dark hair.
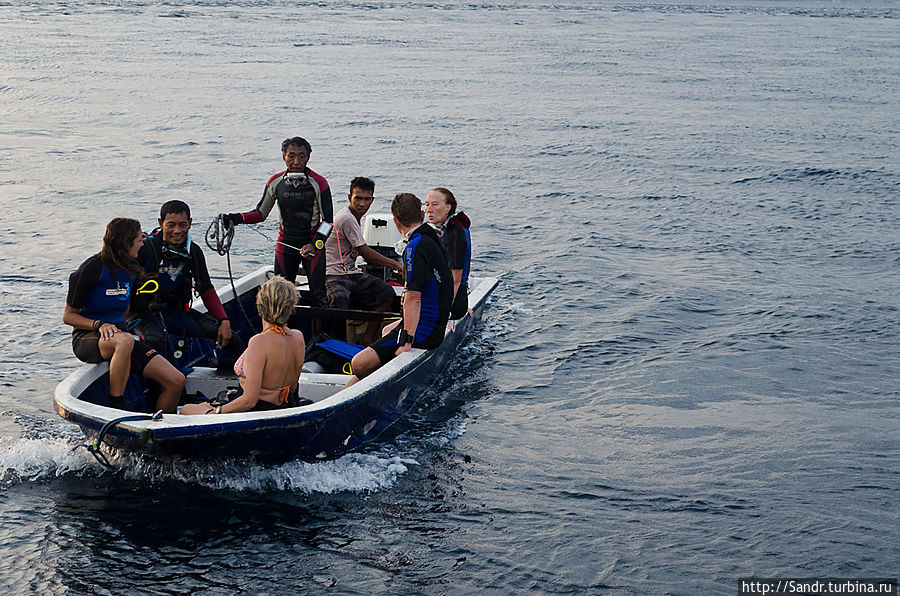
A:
(97, 306)
(453, 230)
(269, 369)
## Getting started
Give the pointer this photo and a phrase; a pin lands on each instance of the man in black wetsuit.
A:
(179, 267)
(426, 296)
(304, 201)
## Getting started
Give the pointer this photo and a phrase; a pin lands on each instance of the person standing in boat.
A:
(269, 369)
(426, 296)
(178, 265)
(453, 230)
(304, 203)
(345, 283)
(96, 308)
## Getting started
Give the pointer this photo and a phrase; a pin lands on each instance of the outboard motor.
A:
(381, 235)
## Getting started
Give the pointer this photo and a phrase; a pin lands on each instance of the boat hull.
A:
(323, 430)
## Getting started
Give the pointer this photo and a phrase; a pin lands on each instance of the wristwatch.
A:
(405, 338)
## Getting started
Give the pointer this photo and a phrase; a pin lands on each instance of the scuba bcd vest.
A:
(173, 269)
(299, 200)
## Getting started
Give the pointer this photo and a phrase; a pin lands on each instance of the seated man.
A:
(426, 295)
(347, 285)
(179, 267)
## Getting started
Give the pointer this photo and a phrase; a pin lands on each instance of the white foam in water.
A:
(52, 450)
(30, 460)
(354, 472)
(35, 459)
(452, 430)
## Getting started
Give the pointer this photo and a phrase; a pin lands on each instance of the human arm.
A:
(210, 297)
(213, 304)
(81, 283)
(327, 203)
(458, 253)
(373, 257)
(412, 308)
(263, 208)
(323, 211)
(72, 316)
(224, 334)
(457, 280)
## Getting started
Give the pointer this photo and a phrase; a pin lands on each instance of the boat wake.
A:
(48, 450)
(31, 460)
(354, 472)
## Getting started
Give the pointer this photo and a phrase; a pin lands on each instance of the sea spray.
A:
(354, 472)
(31, 460)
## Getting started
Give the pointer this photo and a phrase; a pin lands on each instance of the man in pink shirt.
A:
(347, 285)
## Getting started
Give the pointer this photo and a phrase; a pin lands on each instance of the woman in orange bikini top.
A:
(269, 368)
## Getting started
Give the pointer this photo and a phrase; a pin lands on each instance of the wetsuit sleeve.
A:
(82, 281)
(213, 304)
(327, 205)
(200, 272)
(324, 208)
(268, 200)
(204, 285)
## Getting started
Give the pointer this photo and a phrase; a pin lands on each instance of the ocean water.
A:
(689, 373)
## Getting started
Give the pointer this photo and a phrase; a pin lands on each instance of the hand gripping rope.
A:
(221, 231)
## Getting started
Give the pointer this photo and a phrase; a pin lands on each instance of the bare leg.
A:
(363, 364)
(117, 350)
(160, 370)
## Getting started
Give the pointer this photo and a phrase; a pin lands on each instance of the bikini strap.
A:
(279, 329)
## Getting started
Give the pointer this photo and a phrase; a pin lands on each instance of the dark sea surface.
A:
(690, 372)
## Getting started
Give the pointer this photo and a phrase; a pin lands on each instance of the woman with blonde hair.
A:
(269, 369)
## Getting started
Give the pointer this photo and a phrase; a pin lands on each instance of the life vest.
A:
(109, 296)
(299, 205)
(173, 268)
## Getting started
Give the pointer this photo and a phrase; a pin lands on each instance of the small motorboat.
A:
(334, 420)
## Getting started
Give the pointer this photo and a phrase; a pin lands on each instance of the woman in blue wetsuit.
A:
(453, 230)
(96, 307)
